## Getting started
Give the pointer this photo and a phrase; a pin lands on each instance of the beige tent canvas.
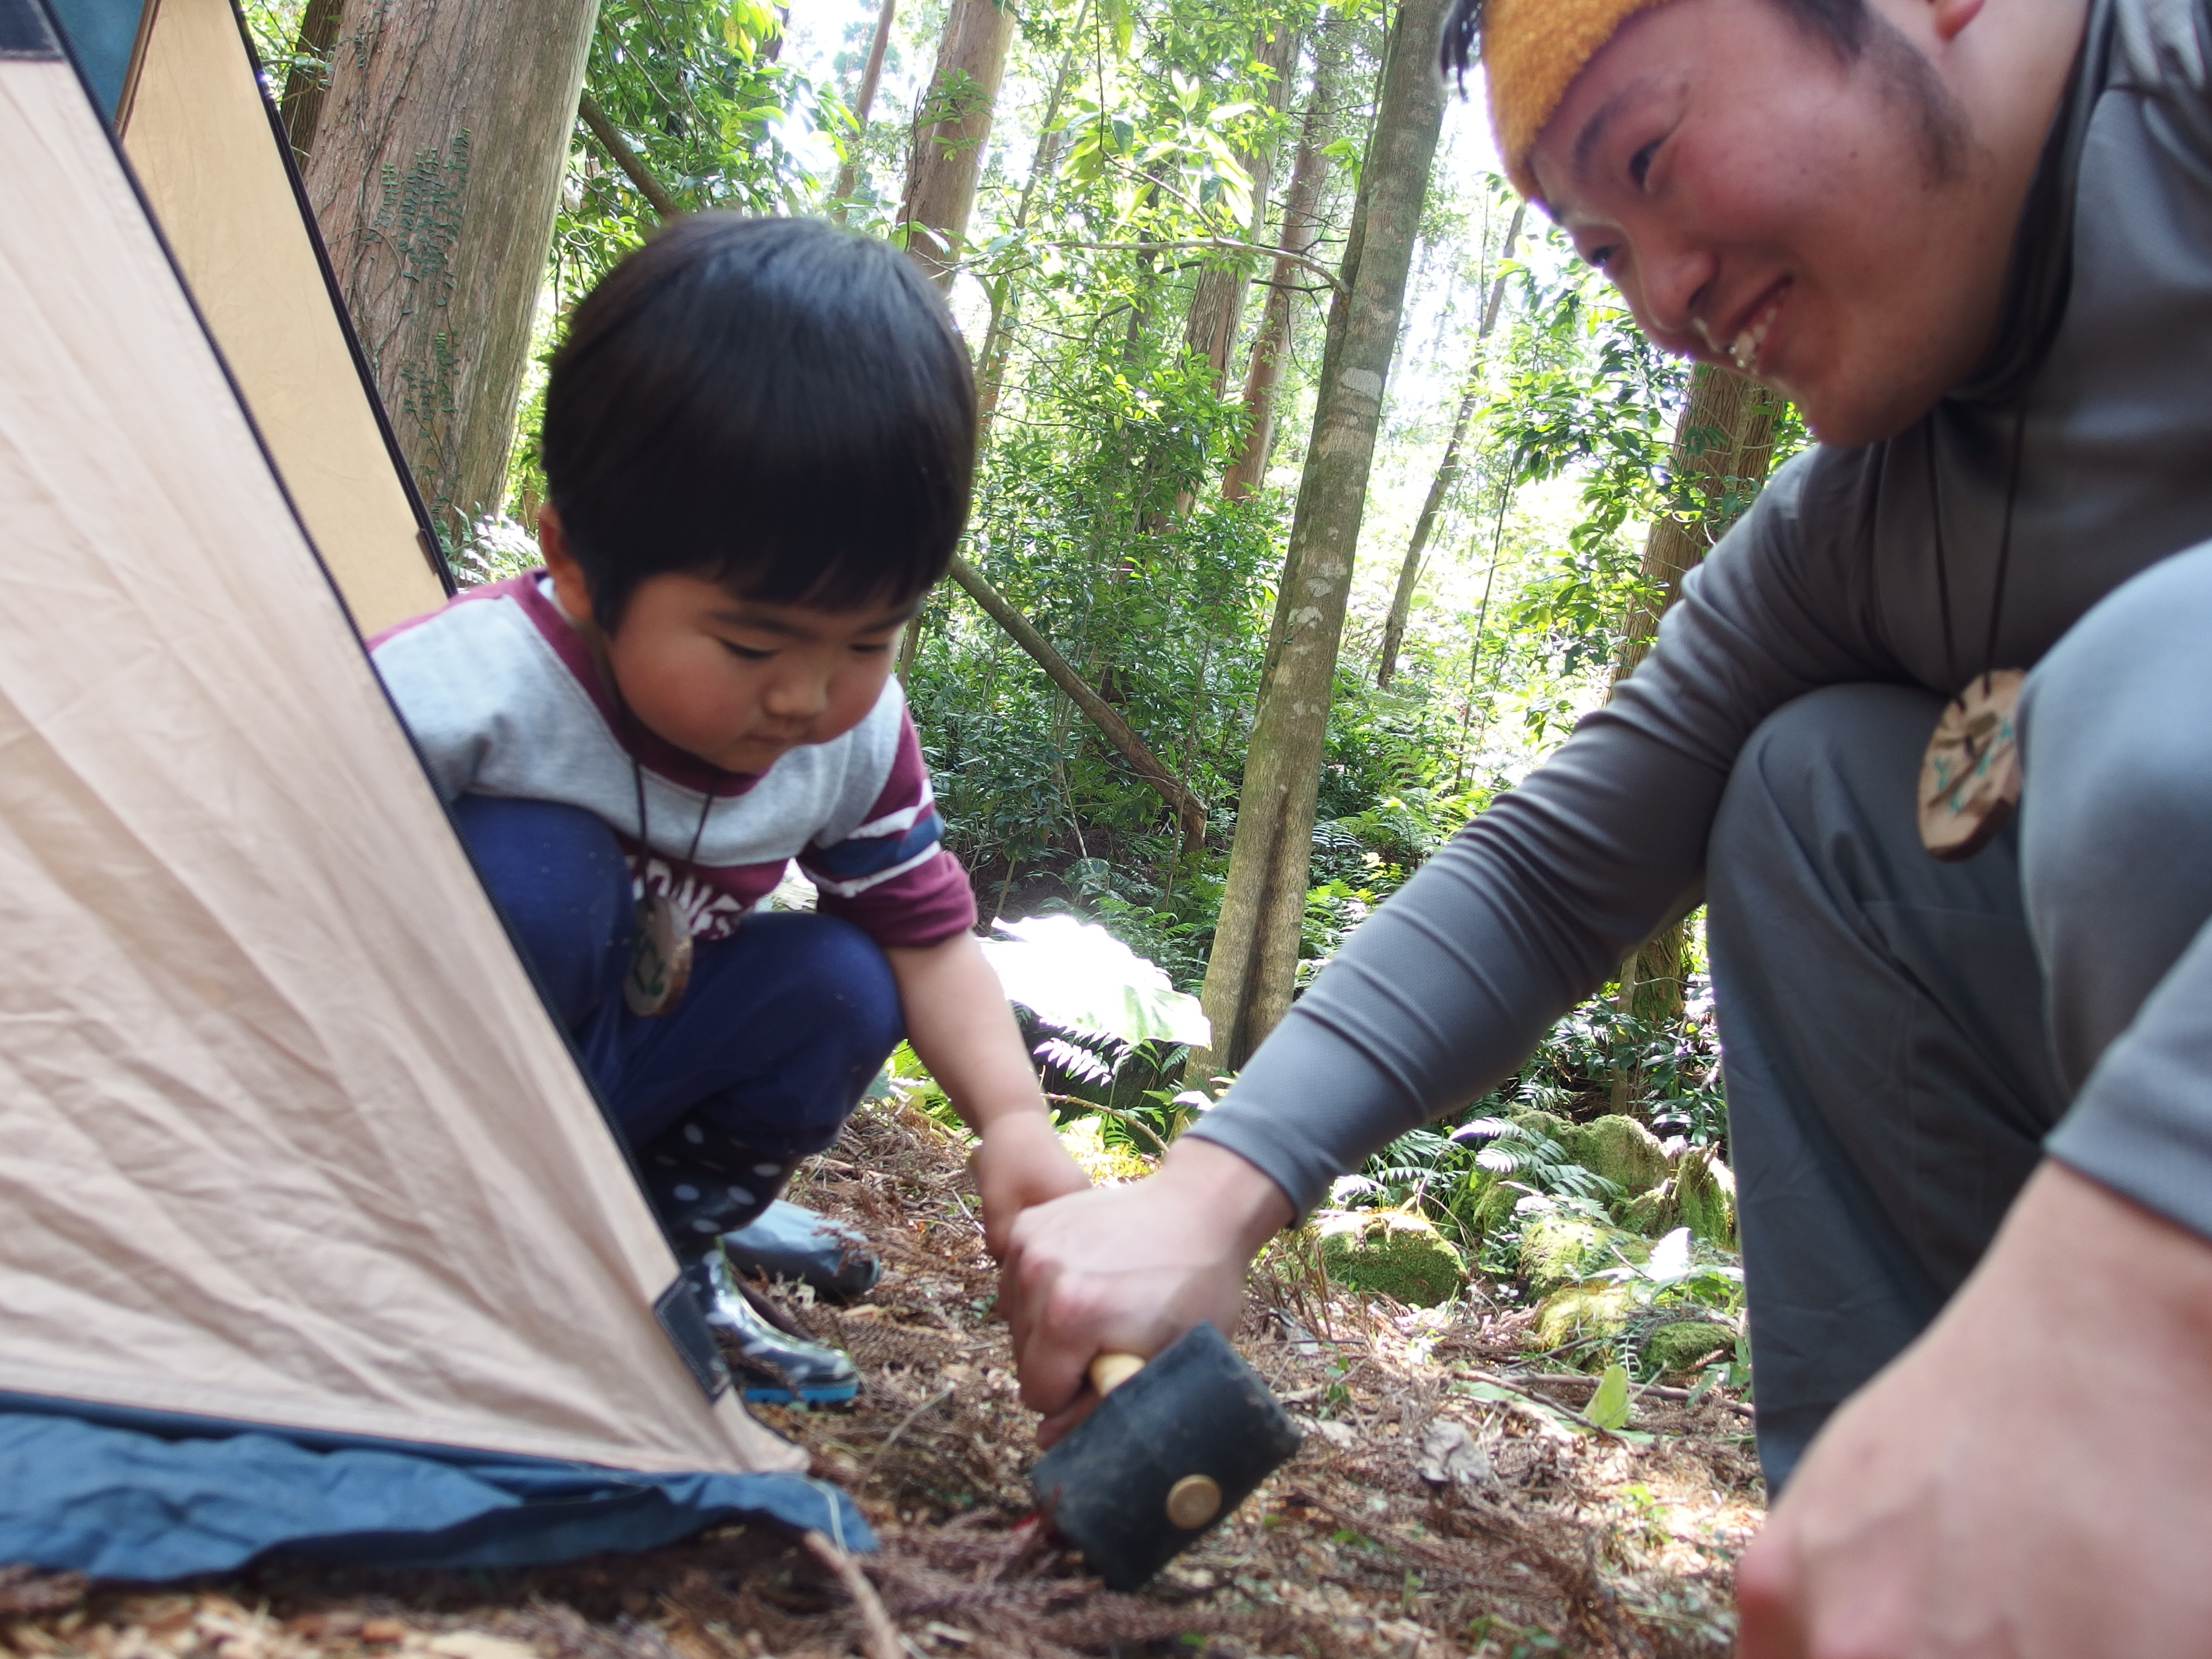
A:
(200, 135)
(311, 1234)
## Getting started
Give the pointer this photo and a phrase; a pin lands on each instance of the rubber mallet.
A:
(1173, 1445)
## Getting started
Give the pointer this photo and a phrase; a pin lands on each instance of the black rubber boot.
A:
(787, 1241)
(770, 1364)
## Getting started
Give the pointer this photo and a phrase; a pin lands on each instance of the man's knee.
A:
(2117, 810)
(1839, 755)
(2116, 721)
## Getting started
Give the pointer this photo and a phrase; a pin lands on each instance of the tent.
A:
(313, 1235)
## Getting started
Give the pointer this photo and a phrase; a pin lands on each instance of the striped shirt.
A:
(503, 698)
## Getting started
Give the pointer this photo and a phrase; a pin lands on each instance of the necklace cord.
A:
(1943, 568)
(698, 830)
(2004, 538)
(2004, 551)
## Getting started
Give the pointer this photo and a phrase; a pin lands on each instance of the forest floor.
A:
(1555, 1538)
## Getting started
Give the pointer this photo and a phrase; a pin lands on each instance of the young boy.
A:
(759, 437)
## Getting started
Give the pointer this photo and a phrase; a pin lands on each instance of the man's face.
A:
(1826, 223)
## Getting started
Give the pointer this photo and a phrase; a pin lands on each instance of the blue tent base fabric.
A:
(158, 1499)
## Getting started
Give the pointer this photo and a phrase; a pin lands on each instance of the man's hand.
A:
(2034, 1477)
(1128, 1269)
(1019, 1162)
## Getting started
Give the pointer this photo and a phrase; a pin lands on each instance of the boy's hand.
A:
(1020, 1162)
(957, 1019)
(2032, 1477)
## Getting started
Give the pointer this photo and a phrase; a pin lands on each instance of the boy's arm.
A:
(957, 1019)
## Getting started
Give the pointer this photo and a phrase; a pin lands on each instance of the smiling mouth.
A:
(1751, 339)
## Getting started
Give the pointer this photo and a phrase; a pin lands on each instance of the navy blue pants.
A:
(779, 1033)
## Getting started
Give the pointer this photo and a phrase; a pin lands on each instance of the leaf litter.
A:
(1448, 1500)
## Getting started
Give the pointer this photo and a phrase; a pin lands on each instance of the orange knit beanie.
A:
(1532, 49)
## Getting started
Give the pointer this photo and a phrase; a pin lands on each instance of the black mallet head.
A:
(1162, 1458)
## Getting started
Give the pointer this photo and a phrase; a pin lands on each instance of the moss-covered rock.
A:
(1677, 1346)
(1619, 1148)
(1700, 1195)
(1485, 1203)
(1392, 1253)
(1558, 1246)
(1704, 1197)
(1548, 1124)
(1594, 1311)
(1650, 1215)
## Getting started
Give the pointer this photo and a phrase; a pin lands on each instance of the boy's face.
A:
(735, 682)
(740, 684)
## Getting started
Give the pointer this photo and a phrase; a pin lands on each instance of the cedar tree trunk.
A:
(1448, 471)
(1216, 303)
(871, 76)
(434, 169)
(1301, 229)
(952, 127)
(1250, 975)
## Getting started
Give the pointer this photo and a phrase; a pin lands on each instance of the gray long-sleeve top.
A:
(1830, 577)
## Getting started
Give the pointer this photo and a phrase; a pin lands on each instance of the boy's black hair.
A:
(776, 405)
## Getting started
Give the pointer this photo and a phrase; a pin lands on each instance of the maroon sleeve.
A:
(891, 876)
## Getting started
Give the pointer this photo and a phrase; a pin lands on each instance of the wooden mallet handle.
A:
(1111, 1371)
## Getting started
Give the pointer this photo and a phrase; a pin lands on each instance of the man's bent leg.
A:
(2116, 822)
(1887, 1067)
(2117, 863)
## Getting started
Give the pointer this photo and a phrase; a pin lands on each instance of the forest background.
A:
(1322, 487)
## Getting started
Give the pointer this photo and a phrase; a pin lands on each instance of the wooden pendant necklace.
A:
(1970, 778)
(660, 940)
(660, 947)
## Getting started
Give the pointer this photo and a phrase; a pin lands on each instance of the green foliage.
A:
(1079, 977)
(699, 90)
(1608, 1406)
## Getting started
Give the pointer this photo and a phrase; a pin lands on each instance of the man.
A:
(1970, 1103)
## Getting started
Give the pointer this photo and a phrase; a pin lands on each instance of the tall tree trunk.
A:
(309, 77)
(1249, 976)
(435, 169)
(1448, 471)
(1216, 303)
(1005, 293)
(1300, 229)
(1723, 443)
(871, 76)
(952, 128)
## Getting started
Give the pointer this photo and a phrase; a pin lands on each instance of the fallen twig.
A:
(904, 1424)
(1655, 1390)
(879, 1637)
